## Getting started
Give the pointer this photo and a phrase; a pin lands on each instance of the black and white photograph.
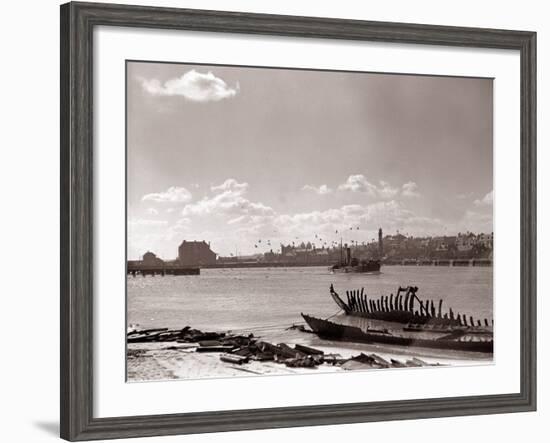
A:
(239, 222)
(289, 221)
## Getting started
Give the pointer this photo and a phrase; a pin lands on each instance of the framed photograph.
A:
(272, 221)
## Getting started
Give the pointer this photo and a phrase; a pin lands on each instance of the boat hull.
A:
(372, 267)
(453, 341)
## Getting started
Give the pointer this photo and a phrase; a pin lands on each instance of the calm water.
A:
(223, 299)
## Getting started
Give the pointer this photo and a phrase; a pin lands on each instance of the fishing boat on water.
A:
(349, 264)
(394, 321)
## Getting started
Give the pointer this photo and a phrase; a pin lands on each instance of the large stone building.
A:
(196, 253)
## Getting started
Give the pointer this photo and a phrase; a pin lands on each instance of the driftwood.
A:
(307, 350)
(238, 349)
(302, 362)
(220, 348)
(235, 359)
(374, 361)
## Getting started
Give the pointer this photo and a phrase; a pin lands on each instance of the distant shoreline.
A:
(405, 262)
(451, 263)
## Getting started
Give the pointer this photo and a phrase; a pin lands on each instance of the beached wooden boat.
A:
(406, 307)
(461, 339)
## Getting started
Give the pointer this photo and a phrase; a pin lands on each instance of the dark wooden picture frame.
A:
(77, 24)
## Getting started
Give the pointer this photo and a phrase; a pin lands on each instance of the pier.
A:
(441, 262)
(144, 270)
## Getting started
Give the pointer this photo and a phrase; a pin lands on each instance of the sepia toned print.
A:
(284, 221)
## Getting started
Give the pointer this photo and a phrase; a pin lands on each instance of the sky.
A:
(248, 158)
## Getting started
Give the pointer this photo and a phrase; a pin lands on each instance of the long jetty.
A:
(144, 270)
(478, 262)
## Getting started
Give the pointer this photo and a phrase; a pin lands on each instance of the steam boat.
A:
(352, 264)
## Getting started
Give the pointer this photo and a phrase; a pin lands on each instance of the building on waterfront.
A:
(395, 242)
(196, 253)
(393, 248)
(465, 242)
(305, 253)
(270, 257)
(486, 240)
(151, 259)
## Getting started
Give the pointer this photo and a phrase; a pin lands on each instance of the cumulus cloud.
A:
(173, 194)
(409, 189)
(391, 215)
(228, 199)
(385, 190)
(331, 224)
(224, 204)
(231, 185)
(487, 200)
(476, 222)
(193, 85)
(321, 190)
(359, 183)
(227, 216)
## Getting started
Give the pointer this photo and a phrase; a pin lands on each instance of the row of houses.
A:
(462, 245)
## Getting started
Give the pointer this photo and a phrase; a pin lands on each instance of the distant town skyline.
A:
(249, 158)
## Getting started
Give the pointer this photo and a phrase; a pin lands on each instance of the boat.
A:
(459, 339)
(353, 265)
(395, 321)
(363, 266)
(404, 307)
